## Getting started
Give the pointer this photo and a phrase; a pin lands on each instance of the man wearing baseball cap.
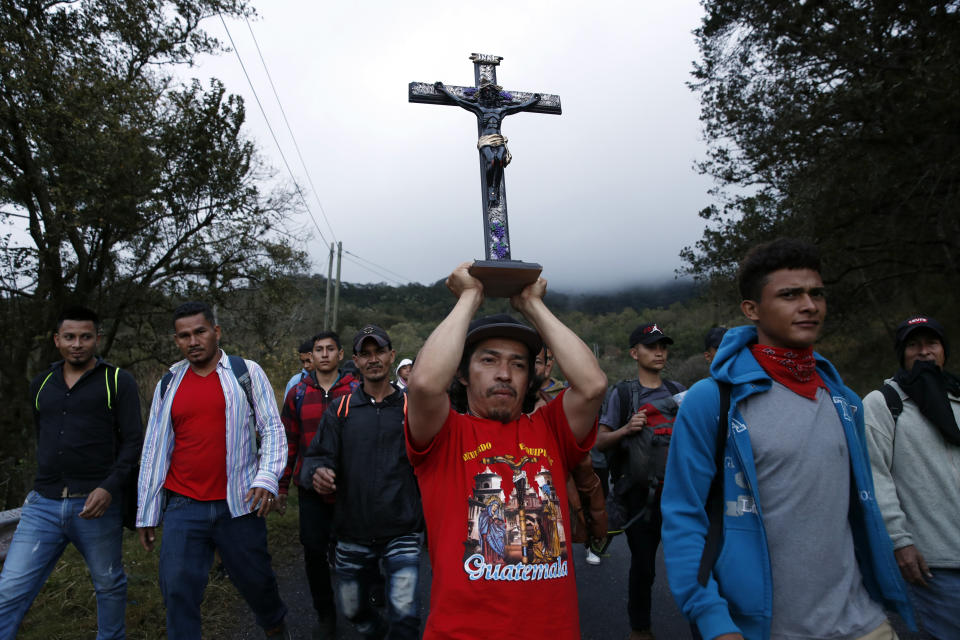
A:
(712, 342)
(914, 443)
(358, 453)
(644, 402)
(493, 478)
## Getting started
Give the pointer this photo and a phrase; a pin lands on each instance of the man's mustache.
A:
(501, 387)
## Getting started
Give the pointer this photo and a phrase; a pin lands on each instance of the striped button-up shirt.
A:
(245, 468)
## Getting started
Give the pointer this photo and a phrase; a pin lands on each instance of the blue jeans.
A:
(46, 527)
(356, 563)
(191, 531)
(938, 604)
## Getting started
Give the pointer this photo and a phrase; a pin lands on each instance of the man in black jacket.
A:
(89, 433)
(359, 453)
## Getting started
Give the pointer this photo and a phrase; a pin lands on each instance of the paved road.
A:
(602, 593)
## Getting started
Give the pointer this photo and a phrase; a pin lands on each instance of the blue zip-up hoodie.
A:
(738, 597)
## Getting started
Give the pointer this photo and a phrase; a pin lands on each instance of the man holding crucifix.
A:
(461, 462)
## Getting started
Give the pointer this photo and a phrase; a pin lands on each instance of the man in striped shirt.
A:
(201, 474)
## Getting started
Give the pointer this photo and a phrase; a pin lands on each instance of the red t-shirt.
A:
(490, 579)
(198, 464)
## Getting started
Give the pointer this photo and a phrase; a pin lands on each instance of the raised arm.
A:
(522, 106)
(466, 104)
(427, 400)
(588, 383)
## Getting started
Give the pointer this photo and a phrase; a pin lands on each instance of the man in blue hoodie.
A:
(804, 552)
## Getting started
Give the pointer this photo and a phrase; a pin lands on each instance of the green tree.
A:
(836, 120)
(137, 189)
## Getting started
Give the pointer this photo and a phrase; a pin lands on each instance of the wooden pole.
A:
(336, 292)
(326, 301)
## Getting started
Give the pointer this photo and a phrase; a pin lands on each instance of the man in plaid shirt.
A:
(302, 410)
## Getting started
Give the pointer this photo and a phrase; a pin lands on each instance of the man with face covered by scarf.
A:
(915, 455)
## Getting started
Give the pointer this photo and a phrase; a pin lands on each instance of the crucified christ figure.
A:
(491, 105)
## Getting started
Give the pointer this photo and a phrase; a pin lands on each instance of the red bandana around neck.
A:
(796, 369)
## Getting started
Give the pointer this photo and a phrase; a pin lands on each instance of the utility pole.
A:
(326, 301)
(336, 292)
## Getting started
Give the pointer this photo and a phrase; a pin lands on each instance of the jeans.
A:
(643, 538)
(401, 562)
(938, 604)
(46, 527)
(316, 522)
(191, 531)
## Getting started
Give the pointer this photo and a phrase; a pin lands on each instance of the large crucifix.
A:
(501, 275)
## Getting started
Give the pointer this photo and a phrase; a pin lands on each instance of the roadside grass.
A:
(66, 607)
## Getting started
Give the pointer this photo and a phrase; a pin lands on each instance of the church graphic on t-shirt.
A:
(514, 522)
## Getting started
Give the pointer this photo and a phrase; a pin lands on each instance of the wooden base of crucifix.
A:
(504, 278)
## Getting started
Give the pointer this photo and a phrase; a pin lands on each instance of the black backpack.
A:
(640, 464)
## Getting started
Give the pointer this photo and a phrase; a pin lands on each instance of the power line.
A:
(370, 266)
(290, 131)
(372, 270)
(378, 266)
(270, 128)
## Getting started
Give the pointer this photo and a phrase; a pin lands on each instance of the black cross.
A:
(496, 232)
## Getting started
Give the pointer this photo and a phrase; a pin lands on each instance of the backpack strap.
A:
(622, 390)
(300, 393)
(128, 493)
(240, 372)
(111, 397)
(344, 400)
(36, 401)
(714, 505)
(239, 366)
(164, 383)
(894, 401)
(106, 382)
(672, 387)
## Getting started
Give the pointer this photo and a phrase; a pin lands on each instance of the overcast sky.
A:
(603, 195)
